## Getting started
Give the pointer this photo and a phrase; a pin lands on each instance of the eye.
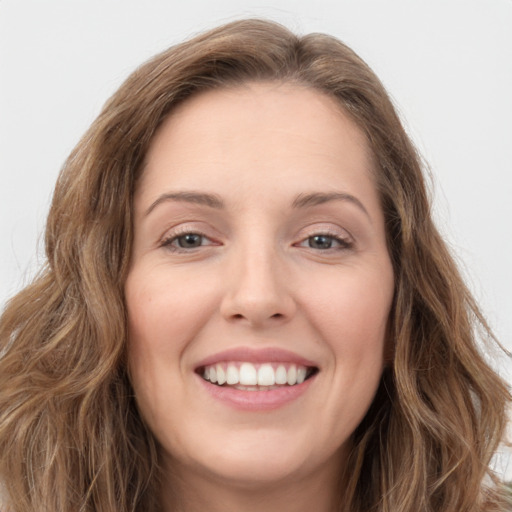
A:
(323, 242)
(184, 241)
(320, 242)
(190, 240)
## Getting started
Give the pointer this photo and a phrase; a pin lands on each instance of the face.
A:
(260, 285)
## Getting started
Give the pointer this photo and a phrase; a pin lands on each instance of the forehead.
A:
(282, 132)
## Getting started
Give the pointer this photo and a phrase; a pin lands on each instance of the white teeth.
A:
(221, 376)
(255, 377)
(248, 375)
(232, 375)
(292, 375)
(266, 375)
(281, 375)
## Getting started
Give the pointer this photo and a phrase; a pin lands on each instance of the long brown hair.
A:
(70, 434)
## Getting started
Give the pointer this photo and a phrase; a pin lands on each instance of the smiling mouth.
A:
(247, 376)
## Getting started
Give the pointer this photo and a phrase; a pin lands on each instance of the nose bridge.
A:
(257, 288)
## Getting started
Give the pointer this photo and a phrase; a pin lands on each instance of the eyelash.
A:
(342, 243)
(168, 243)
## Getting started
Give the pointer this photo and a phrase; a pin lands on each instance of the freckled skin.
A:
(257, 278)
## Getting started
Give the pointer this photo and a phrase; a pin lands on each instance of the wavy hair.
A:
(71, 438)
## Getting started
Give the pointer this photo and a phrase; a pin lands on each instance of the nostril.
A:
(239, 316)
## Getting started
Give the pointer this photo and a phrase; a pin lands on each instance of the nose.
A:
(258, 289)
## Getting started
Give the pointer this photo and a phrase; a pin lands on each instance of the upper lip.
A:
(251, 355)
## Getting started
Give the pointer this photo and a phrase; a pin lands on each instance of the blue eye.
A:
(189, 240)
(320, 242)
(324, 242)
(186, 241)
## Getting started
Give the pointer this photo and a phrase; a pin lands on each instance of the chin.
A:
(256, 459)
(252, 471)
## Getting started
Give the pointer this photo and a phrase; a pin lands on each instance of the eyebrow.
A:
(211, 200)
(215, 201)
(317, 198)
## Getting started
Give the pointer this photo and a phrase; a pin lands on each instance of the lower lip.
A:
(257, 400)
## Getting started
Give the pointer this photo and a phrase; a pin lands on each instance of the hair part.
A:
(71, 437)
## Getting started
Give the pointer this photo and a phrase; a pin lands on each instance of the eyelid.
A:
(342, 243)
(174, 233)
(319, 228)
(341, 235)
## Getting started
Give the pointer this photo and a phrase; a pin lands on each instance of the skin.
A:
(257, 280)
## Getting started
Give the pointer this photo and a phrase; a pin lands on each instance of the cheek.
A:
(351, 312)
(351, 318)
(164, 314)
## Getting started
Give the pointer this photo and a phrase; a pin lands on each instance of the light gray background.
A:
(446, 63)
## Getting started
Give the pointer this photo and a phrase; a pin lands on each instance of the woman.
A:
(246, 305)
